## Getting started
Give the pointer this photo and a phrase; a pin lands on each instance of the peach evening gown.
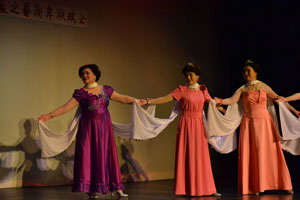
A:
(193, 173)
(261, 162)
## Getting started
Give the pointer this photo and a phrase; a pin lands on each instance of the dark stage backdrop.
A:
(267, 32)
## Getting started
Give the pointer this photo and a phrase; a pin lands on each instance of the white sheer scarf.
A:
(53, 144)
(290, 126)
(144, 125)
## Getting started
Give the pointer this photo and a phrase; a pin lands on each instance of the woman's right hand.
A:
(148, 101)
(45, 117)
(142, 102)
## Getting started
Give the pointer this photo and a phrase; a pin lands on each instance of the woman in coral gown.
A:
(261, 162)
(193, 173)
(96, 166)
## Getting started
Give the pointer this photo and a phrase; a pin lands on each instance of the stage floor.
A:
(137, 191)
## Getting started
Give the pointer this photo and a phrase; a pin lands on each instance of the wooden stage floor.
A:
(153, 190)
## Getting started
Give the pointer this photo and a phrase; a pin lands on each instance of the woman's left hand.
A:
(280, 99)
(217, 100)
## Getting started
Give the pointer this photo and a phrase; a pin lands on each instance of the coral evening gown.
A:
(193, 173)
(261, 161)
(96, 166)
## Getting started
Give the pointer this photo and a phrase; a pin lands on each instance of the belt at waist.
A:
(191, 114)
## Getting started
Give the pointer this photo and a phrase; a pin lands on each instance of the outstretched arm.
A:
(60, 110)
(274, 96)
(161, 100)
(125, 99)
(235, 98)
(293, 97)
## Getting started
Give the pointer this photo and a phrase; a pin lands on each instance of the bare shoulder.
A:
(242, 89)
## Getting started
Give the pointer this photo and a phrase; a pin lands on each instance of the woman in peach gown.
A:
(193, 173)
(261, 162)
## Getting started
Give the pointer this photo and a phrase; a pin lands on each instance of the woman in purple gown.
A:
(96, 166)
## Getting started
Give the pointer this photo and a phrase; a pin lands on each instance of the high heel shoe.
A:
(92, 195)
(290, 191)
(217, 194)
(120, 194)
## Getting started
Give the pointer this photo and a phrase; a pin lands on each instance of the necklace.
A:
(252, 85)
(92, 85)
(252, 82)
(193, 86)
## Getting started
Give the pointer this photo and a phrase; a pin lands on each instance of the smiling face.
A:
(249, 74)
(191, 78)
(88, 76)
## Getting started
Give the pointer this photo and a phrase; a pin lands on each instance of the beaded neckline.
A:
(97, 95)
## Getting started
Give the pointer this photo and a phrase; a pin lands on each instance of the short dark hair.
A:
(93, 67)
(255, 66)
(191, 67)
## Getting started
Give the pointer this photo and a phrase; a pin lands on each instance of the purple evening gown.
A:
(96, 166)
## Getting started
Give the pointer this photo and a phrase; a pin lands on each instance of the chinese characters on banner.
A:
(35, 10)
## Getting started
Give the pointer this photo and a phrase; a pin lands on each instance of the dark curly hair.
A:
(254, 66)
(93, 67)
(191, 67)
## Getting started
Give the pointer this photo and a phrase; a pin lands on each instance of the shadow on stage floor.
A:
(137, 191)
